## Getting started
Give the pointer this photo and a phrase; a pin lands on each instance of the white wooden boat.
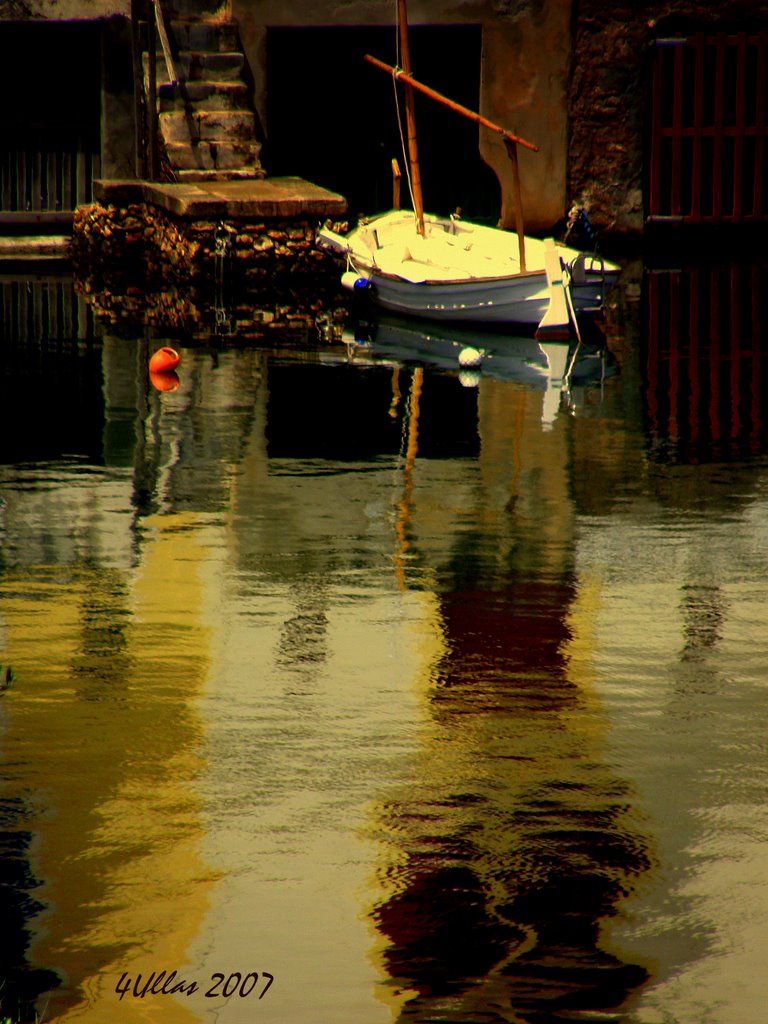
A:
(442, 268)
(458, 271)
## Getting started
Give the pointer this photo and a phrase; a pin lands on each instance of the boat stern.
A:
(591, 278)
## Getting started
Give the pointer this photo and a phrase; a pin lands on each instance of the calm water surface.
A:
(356, 691)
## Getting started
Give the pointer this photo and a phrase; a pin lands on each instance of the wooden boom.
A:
(408, 78)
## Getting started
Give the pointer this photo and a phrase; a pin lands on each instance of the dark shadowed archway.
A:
(332, 118)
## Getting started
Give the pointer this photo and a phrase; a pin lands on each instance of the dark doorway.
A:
(332, 117)
(50, 122)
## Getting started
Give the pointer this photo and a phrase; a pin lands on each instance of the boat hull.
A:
(521, 299)
(465, 273)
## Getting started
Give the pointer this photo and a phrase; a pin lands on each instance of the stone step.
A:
(206, 118)
(235, 174)
(208, 126)
(211, 37)
(214, 156)
(196, 10)
(203, 95)
(197, 65)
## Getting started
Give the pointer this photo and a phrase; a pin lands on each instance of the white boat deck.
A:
(448, 251)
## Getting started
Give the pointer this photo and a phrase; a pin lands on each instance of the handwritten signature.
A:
(168, 983)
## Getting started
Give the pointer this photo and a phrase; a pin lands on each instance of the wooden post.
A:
(22, 180)
(519, 225)
(140, 154)
(395, 185)
(50, 177)
(68, 201)
(82, 195)
(413, 148)
(36, 186)
(5, 178)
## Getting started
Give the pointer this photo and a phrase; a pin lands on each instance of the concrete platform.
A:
(206, 200)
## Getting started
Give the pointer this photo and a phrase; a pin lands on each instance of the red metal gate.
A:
(708, 160)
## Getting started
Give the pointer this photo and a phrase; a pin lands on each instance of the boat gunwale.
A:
(452, 282)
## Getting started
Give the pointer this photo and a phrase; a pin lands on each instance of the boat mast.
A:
(413, 148)
(510, 141)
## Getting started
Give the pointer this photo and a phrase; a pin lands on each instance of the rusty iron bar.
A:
(707, 154)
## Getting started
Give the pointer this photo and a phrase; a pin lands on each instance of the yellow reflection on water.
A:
(104, 741)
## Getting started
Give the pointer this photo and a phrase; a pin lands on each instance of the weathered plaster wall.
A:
(525, 67)
(63, 10)
(118, 127)
(610, 91)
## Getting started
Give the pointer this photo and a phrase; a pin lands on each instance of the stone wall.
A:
(63, 10)
(264, 274)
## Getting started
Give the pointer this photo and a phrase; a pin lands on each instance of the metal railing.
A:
(43, 178)
(148, 25)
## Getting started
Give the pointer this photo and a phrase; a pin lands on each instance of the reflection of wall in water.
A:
(38, 310)
(513, 841)
(704, 365)
(21, 985)
(102, 736)
(50, 368)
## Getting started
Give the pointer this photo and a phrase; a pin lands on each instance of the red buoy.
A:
(164, 360)
(167, 381)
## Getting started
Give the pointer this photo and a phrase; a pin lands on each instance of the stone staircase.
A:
(206, 119)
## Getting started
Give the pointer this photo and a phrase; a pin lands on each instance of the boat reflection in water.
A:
(512, 841)
(557, 367)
